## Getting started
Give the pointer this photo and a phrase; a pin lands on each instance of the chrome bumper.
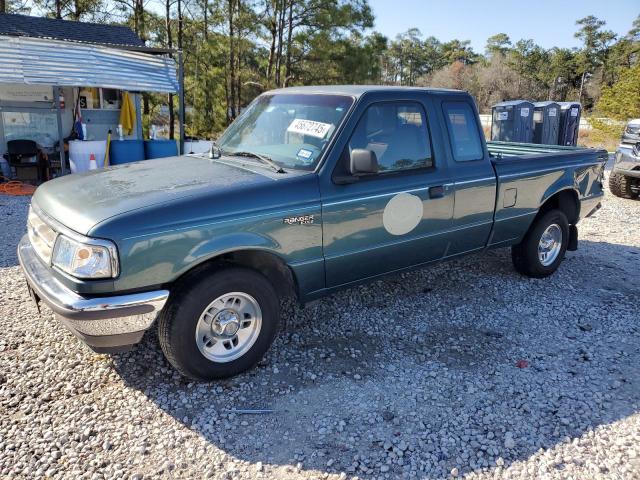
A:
(104, 323)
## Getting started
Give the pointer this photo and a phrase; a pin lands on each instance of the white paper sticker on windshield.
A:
(304, 153)
(574, 112)
(503, 115)
(309, 127)
(524, 112)
(552, 112)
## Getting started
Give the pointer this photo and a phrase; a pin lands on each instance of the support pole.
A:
(181, 101)
(56, 96)
(138, 103)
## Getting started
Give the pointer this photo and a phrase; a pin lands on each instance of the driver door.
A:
(396, 218)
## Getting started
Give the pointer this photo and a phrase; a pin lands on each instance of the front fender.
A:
(160, 258)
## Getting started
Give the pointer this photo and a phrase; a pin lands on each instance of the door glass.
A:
(463, 131)
(397, 133)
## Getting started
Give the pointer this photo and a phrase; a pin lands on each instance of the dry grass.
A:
(597, 139)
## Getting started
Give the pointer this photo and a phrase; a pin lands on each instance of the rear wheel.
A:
(622, 186)
(219, 324)
(543, 247)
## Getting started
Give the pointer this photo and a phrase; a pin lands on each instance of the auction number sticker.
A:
(309, 127)
(524, 112)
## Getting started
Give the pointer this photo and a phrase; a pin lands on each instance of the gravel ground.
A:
(462, 369)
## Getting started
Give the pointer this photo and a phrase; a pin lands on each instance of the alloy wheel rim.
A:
(228, 327)
(550, 244)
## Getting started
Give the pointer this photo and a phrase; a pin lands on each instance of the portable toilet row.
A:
(547, 123)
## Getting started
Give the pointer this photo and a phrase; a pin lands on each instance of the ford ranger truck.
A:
(310, 190)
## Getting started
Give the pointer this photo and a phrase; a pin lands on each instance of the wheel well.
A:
(268, 264)
(565, 201)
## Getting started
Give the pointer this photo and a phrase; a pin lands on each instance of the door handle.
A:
(436, 192)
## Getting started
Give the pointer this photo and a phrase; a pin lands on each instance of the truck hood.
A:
(81, 201)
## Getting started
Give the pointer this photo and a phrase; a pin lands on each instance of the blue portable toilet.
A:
(570, 113)
(512, 121)
(546, 123)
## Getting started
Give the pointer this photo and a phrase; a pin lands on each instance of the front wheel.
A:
(219, 324)
(543, 247)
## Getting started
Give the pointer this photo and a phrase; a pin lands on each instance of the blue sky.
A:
(550, 23)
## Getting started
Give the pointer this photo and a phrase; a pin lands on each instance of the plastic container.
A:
(160, 149)
(5, 168)
(80, 154)
(125, 151)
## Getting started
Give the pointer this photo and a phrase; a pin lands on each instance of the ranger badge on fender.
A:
(299, 220)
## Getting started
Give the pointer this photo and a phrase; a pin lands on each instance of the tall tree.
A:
(498, 44)
(595, 47)
(78, 10)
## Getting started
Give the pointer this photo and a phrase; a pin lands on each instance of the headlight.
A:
(85, 260)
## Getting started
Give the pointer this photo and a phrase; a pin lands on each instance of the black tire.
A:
(525, 254)
(620, 186)
(178, 320)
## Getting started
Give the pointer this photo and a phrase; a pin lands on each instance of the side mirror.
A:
(636, 149)
(363, 162)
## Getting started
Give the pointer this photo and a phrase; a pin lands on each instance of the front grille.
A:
(41, 236)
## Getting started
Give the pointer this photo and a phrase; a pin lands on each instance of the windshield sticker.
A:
(306, 156)
(524, 112)
(309, 127)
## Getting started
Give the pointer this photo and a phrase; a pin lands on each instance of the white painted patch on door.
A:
(402, 214)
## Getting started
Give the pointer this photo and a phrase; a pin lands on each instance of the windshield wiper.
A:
(263, 158)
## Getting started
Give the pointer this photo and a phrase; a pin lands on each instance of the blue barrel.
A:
(125, 151)
(160, 149)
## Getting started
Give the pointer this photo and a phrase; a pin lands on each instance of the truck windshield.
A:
(292, 130)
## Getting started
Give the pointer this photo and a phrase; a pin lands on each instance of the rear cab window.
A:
(462, 127)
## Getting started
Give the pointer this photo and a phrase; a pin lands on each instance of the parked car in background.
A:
(624, 180)
(631, 134)
(310, 190)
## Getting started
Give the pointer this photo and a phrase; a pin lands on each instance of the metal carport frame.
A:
(36, 61)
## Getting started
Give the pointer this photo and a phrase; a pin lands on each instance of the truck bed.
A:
(510, 149)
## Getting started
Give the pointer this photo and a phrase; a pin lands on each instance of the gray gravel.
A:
(414, 376)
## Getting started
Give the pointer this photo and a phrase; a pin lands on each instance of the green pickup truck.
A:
(310, 190)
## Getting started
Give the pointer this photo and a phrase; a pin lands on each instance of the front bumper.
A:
(106, 324)
(626, 163)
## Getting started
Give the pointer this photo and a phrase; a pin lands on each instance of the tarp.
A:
(35, 61)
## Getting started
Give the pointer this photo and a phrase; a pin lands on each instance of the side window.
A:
(463, 131)
(397, 132)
